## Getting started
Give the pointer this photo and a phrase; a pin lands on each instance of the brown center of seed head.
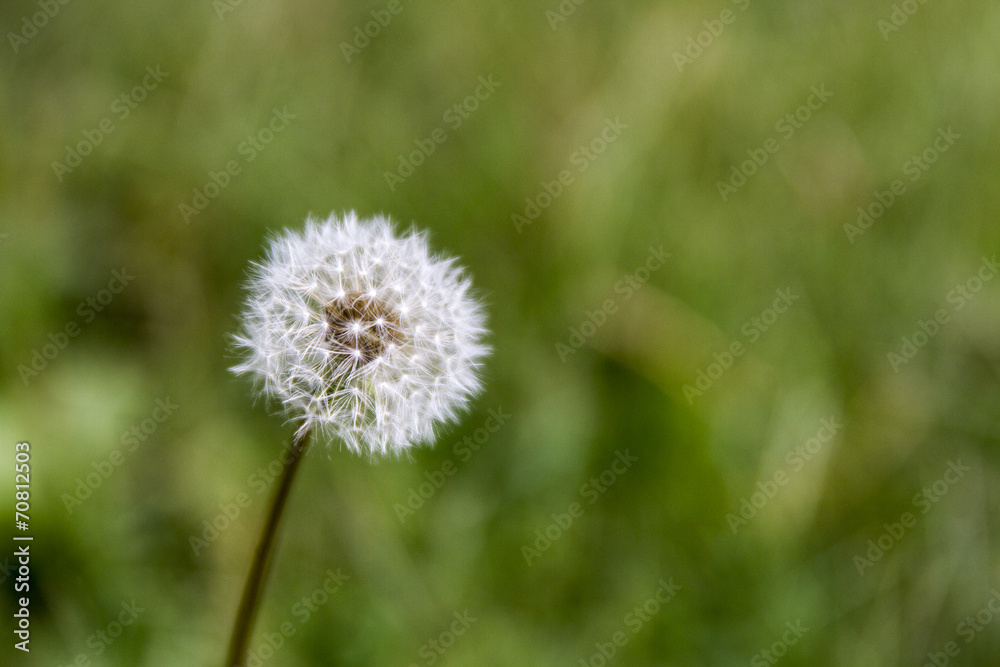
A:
(361, 326)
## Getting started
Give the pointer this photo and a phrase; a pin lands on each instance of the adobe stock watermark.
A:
(900, 14)
(462, 451)
(249, 149)
(37, 21)
(434, 648)
(579, 161)
(223, 7)
(130, 440)
(625, 289)
(914, 168)
(121, 108)
(633, 621)
(453, 117)
(88, 310)
(103, 638)
(561, 12)
(259, 482)
(771, 655)
(786, 127)
(958, 297)
(924, 501)
(364, 34)
(591, 491)
(697, 44)
(753, 329)
(796, 459)
(968, 629)
(303, 610)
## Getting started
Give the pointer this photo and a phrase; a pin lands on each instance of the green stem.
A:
(260, 566)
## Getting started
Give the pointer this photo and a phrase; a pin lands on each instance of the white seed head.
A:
(362, 333)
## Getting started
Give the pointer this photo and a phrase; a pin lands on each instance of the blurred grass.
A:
(165, 335)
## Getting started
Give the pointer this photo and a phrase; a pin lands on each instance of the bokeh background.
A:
(579, 382)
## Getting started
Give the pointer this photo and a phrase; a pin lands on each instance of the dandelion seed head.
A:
(362, 333)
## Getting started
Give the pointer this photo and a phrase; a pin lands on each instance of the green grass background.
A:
(166, 334)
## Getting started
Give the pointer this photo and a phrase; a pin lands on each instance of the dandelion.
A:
(361, 335)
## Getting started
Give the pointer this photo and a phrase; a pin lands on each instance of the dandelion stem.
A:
(259, 568)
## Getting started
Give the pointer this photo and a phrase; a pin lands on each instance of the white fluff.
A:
(362, 333)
